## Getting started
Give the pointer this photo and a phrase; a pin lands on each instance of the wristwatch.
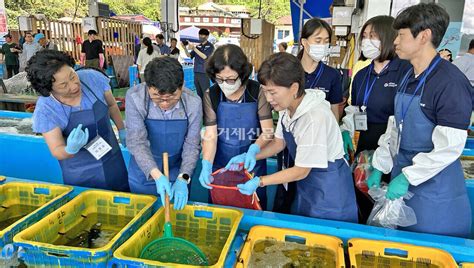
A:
(185, 177)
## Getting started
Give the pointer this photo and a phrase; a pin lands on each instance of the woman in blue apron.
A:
(237, 117)
(73, 114)
(162, 116)
(307, 127)
(373, 94)
(428, 132)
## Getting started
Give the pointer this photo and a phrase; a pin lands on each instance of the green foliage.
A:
(54, 9)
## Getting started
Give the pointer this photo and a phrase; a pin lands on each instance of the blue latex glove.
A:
(374, 178)
(250, 186)
(347, 140)
(205, 176)
(234, 162)
(251, 157)
(76, 140)
(398, 187)
(163, 187)
(180, 193)
(123, 137)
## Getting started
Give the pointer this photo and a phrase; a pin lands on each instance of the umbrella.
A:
(191, 34)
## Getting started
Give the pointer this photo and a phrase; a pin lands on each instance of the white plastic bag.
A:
(390, 213)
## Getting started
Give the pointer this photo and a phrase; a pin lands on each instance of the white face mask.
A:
(318, 52)
(227, 89)
(370, 48)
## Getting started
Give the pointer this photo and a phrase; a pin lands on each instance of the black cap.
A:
(7, 35)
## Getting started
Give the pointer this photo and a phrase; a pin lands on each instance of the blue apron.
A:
(83, 169)
(326, 193)
(238, 126)
(441, 203)
(164, 136)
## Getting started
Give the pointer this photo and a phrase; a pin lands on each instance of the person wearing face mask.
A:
(237, 117)
(163, 116)
(307, 127)
(426, 136)
(315, 38)
(73, 114)
(373, 93)
(200, 53)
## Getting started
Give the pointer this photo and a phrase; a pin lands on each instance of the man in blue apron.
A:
(163, 116)
(428, 133)
(73, 114)
(308, 128)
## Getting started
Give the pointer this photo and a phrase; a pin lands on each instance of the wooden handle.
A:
(167, 197)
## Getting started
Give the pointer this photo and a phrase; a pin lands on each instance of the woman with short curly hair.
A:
(73, 114)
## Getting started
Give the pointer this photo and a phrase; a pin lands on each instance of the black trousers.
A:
(12, 70)
(201, 82)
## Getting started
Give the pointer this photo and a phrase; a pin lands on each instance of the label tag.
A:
(360, 121)
(98, 147)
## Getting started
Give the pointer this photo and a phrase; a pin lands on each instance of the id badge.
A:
(360, 121)
(98, 147)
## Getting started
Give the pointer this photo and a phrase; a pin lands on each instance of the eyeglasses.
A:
(228, 81)
(169, 100)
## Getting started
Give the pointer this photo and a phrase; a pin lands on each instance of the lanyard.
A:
(368, 90)
(318, 75)
(403, 88)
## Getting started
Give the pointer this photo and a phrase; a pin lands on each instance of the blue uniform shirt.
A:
(446, 99)
(380, 102)
(50, 113)
(328, 81)
(199, 63)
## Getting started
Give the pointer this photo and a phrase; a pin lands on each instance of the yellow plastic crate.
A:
(24, 203)
(212, 229)
(332, 252)
(113, 209)
(371, 253)
(467, 265)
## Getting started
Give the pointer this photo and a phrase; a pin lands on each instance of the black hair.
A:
(29, 33)
(42, 67)
(382, 26)
(149, 46)
(232, 56)
(423, 16)
(165, 74)
(282, 69)
(450, 53)
(471, 44)
(92, 32)
(160, 36)
(204, 32)
(174, 39)
(312, 26)
(284, 45)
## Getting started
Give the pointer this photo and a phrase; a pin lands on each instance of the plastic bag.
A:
(390, 213)
(225, 192)
(362, 170)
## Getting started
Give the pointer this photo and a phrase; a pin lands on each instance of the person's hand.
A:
(398, 187)
(236, 162)
(123, 137)
(250, 186)
(374, 178)
(180, 193)
(347, 140)
(76, 140)
(251, 157)
(205, 176)
(191, 46)
(163, 187)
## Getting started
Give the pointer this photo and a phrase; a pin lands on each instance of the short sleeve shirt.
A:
(328, 81)
(199, 63)
(50, 113)
(92, 49)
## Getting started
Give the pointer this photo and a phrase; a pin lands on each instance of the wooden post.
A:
(258, 49)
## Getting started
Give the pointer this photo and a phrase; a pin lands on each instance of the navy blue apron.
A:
(238, 127)
(164, 135)
(83, 169)
(326, 193)
(441, 203)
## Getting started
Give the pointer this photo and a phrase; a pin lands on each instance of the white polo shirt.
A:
(315, 129)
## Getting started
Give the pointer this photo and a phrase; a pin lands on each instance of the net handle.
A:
(224, 187)
(167, 197)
